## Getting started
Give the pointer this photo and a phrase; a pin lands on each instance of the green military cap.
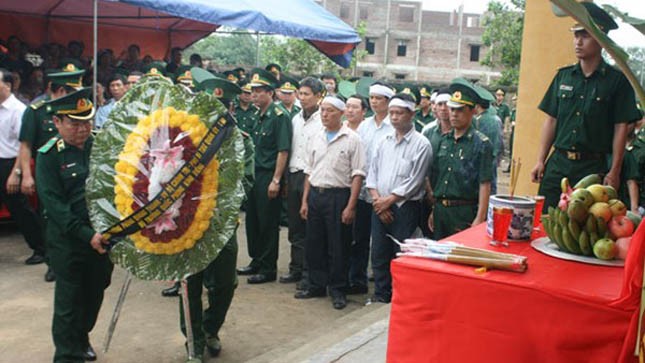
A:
(76, 105)
(462, 93)
(184, 76)
(218, 87)
(346, 88)
(363, 86)
(485, 97)
(412, 90)
(241, 72)
(261, 77)
(231, 76)
(77, 63)
(155, 69)
(600, 17)
(288, 84)
(70, 75)
(425, 91)
(274, 68)
(245, 86)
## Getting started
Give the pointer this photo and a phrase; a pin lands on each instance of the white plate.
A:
(547, 247)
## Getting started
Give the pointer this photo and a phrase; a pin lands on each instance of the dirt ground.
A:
(261, 318)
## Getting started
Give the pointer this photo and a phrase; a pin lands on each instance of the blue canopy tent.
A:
(161, 24)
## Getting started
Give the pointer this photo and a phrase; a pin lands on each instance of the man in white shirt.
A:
(117, 87)
(11, 111)
(396, 182)
(334, 174)
(372, 131)
(306, 123)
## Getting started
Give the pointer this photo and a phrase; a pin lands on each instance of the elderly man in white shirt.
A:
(306, 124)
(396, 181)
(372, 131)
(335, 172)
(11, 110)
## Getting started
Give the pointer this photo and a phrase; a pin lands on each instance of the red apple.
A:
(621, 226)
(623, 246)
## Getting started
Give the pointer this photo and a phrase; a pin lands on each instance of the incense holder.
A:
(522, 221)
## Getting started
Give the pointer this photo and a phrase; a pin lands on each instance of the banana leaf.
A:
(578, 12)
(638, 24)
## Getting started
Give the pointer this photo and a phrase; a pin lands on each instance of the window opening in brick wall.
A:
(474, 52)
(370, 45)
(402, 48)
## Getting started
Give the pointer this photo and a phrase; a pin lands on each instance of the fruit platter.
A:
(590, 224)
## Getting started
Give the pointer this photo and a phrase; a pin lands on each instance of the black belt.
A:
(577, 155)
(456, 202)
(320, 190)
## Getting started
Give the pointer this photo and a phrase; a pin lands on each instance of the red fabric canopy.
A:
(44, 21)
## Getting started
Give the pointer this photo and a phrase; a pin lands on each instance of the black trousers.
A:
(25, 217)
(297, 225)
(360, 249)
(328, 240)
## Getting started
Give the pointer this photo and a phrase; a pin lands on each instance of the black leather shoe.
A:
(260, 279)
(35, 259)
(339, 302)
(290, 278)
(171, 291)
(214, 346)
(89, 354)
(310, 293)
(247, 270)
(378, 299)
(50, 276)
(356, 290)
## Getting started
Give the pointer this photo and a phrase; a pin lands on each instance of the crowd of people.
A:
(344, 172)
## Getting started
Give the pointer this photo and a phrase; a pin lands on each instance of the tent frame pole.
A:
(95, 61)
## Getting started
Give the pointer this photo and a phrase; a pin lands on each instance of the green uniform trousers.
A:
(263, 225)
(220, 280)
(450, 220)
(557, 167)
(81, 278)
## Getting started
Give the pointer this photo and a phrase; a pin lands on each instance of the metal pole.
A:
(460, 18)
(187, 322)
(257, 49)
(96, 51)
(117, 311)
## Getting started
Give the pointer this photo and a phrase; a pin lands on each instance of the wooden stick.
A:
(515, 173)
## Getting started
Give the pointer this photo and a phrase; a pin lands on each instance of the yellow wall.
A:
(547, 44)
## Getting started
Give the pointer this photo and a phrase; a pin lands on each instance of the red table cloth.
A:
(558, 311)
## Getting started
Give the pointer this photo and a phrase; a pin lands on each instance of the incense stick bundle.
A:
(490, 263)
(515, 173)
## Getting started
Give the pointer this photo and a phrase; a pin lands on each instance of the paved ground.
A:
(261, 318)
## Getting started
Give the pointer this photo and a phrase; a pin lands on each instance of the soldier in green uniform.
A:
(588, 107)
(424, 114)
(37, 128)
(490, 125)
(502, 109)
(288, 88)
(219, 277)
(272, 140)
(246, 113)
(461, 169)
(75, 249)
(435, 131)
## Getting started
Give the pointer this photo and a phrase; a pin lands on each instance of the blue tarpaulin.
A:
(161, 24)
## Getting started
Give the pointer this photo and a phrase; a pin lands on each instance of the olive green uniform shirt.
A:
(61, 171)
(420, 120)
(246, 119)
(488, 124)
(271, 134)
(461, 165)
(587, 108)
(503, 111)
(37, 126)
(294, 110)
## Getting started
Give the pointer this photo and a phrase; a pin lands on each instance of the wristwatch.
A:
(17, 171)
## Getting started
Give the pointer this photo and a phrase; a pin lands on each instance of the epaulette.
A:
(629, 148)
(278, 111)
(481, 135)
(567, 66)
(38, 104)
(48, 145)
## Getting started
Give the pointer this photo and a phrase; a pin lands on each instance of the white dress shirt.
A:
(11, 111)
(303, 130)
(371, 136)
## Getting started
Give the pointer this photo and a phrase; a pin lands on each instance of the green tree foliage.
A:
(636, 62)
(294, 55)
(226, 50)
(503, 36)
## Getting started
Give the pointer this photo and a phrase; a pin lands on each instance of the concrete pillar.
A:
(547, 44)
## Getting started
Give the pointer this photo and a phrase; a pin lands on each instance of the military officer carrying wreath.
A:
(75, 249)
(588, 107)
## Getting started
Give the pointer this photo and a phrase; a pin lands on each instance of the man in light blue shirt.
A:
(396, 181)
(117, 89)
